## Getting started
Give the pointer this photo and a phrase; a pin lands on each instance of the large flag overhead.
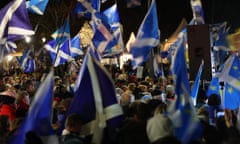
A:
(87, 7)
(198, 14)
(114, 21)
(194, 91)
(148, 37)
(95, 100)
(220, 43)
(14, 25)
(14, 21)
(38, 119)
(63, 33)
(182, 112)
(103, 38)
(37, 6)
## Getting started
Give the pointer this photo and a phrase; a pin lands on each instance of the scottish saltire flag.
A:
(63, 33)
(114, 21)
(103, 38)
(95, 100)
(94, 52)
(231, 72)
(59, 54)
(15, 22)
(38, 119)
(74, 46)
(37, 6)
(220, 43)
(213, 87)
(198, 14)
(133, 3)
(14, 25)
(113, 17)
(87, 7)
(157, 70)
(131, 40)
(148, 37)
(182, 112)
(231, 97)
(28, 63)
(220, 31)
(196, 84)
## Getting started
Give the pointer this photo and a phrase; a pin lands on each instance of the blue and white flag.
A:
(196, 84)
(59, 54)
(147, 38)
(27, 61)
(220, 43)
(94, 52)
(213, 87)
(95, 100)
(37, 6)
(133, 3)
(74, 46)
(38, 119)
(63, 33)
(157, 69)
(198, 14)
(103, 38)
(87, 7)
(182, 112)
(114, 21)
(14, 25)
(231, 97)
(231, 72)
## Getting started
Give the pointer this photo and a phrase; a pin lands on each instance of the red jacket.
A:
(8, 110)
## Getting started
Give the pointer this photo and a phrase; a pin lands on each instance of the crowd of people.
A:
(144, 102)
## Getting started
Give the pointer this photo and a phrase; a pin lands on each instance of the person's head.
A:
(73, 123)
(22, 96)
(29, 86)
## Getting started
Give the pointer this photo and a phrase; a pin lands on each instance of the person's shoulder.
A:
(72, 139)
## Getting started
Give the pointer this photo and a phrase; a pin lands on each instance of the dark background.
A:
(170, 13)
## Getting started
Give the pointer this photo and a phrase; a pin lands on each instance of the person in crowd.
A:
(160, 128)
(133, 129)
(4, 128)
(29, 86)
(7, 104)
(214, 105)
(71, 133)
(209, 132)
(22, 103)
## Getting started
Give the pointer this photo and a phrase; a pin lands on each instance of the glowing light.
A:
(28, 39)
